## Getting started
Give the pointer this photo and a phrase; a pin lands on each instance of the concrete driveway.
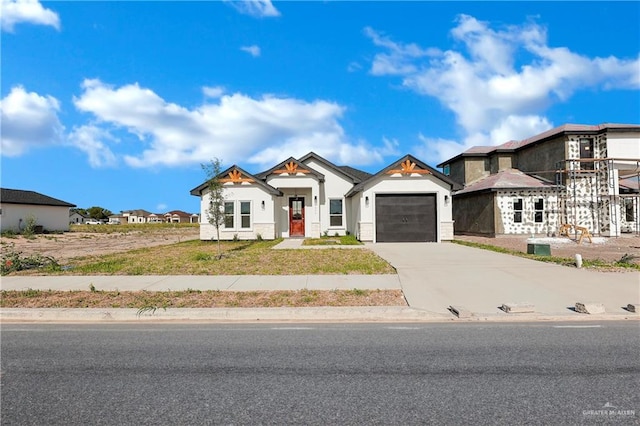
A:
(436, 275)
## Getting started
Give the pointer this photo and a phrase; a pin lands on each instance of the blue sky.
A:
(117, 104)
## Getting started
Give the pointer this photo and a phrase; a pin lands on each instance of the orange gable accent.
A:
(409, 168)
(291, 168)
(236, 177)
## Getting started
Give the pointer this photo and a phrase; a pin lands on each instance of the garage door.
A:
(406, 218)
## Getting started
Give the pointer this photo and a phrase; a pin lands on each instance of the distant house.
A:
(77, 218)
(116, 219)
(18, 208)
(583, 176)
(136, 216)
(178, 216)
(310, 196)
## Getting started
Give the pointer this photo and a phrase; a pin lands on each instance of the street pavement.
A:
(433, 277)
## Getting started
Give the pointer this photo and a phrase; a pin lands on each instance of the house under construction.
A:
(573, 178)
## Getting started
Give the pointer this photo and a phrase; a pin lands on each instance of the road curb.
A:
(319, 314)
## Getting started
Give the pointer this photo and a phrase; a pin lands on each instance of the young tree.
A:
(215, 211)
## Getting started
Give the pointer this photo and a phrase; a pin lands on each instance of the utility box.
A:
(539, 249)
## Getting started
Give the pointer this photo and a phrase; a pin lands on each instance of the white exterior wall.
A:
(51, 218)
(301, 185)
(261, 218)
(399, 184)
(333, 187)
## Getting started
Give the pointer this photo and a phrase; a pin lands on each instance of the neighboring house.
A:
(116, 219)
(310, 197)
(578, 175)
(77, 218)
(18, 208)
(137, 216)
(178, 216)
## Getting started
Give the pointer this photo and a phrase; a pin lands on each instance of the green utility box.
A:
(541, 249)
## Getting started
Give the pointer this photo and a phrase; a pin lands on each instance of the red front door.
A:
(296, 217)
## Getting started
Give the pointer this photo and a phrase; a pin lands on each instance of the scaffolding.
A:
(589, 195)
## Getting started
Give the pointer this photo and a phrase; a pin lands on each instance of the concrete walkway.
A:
(436, 276)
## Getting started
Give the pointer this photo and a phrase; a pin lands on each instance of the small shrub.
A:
(30, 226)
(235, 238)
(13, 261)
(9, 234)
(628, 258)
(336, 234)
(325, 233)
(92, 288)
(258, 237)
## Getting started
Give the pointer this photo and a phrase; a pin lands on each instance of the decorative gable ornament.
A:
(408, 168)
(291, 168)
(235, 176)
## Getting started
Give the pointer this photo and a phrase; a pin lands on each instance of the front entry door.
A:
(296, 217)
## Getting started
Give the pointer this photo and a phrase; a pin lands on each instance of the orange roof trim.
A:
(235, 176)
(409, 168)
(291, 168)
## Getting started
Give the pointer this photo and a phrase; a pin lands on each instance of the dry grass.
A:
(239, 258)
(198, 299)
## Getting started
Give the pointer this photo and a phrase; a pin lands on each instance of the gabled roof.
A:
(513, 146)
(197, 191)
(397, 165)
(18, 196)
(179, 213)
(358, 174)
(351, 174)
(506, 179)
(138, 212)
(71, 213)
(286, 163)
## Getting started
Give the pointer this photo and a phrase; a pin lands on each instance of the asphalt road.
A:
(396, 374)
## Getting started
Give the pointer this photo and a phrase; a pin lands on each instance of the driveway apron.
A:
(435, 276)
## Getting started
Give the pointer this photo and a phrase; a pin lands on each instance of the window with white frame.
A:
(517, 210)
(229, 214)
(245, 214)
(335, 212)
(538, 206)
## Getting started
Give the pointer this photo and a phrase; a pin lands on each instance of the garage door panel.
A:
(406, 218)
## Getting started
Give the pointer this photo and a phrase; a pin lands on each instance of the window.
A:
(538, 205)
(228, 214)
(446, 170)
(335, 212)
(517, 210)
(629, 215)
(245, 214)
(586, 153)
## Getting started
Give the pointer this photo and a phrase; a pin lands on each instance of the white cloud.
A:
(256, 8)
(92, 141)
(161, 207)
(493, 97)
(253, 50)
(29, 11)
(233, 127)
(213, 92)
(29, 120)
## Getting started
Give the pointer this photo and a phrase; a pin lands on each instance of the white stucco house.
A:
(310, 197)
(18, 207)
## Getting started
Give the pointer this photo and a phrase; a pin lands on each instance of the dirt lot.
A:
(75, 244)
(608, 249)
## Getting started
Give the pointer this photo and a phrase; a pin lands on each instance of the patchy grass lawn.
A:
(145, 300)
(238, 258)
(344, 240)
(625, 263)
